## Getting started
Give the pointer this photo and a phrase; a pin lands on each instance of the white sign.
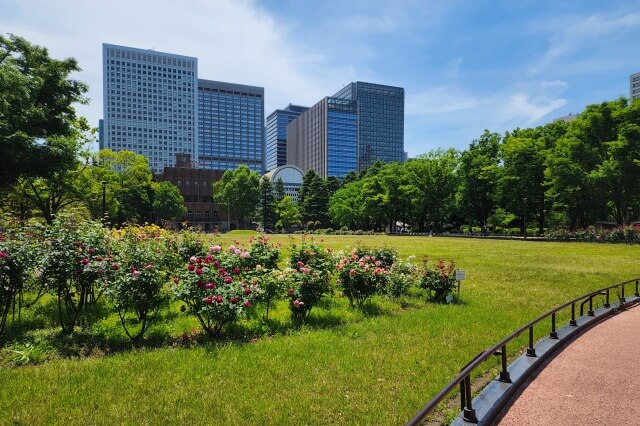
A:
(460, 275)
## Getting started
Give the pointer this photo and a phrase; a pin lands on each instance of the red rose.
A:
(247, 304)
(176, 280)
(199, 271)
(233, 300)
(3, 255)
(247, 290)
(291, 292)
(208, 300)
(218, 299)
(115, 266)
(191, 267)
(236, 271)
(84, 261)
(210, 285)
(228, 279)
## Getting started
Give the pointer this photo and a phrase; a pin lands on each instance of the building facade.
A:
(276, 135)
(196, 187)
(324, 138)
(291, 177)
(380, 111)
(230, 125)
(149, 103)
(634, 86)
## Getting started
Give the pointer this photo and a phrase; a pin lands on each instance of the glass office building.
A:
(230, 125)
(341, 137)
(380, 111)
(324, 138)
(149, 102)
(276, 135)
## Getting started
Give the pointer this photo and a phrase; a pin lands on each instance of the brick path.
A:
(595, 380)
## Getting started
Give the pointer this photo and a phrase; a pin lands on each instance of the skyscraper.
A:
(149, 102)
(634, 86)
(230, 125)
(324, 138)
(276, 135)
(380, 121)
(361, 124)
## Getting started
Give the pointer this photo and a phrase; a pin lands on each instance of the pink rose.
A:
(215, 249)
(228, 279)
(210, 285)
(135, 273)
(352, 273)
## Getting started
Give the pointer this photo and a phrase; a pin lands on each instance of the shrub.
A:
(306, 286)
(139, 271)
(214, 289)
(402, 276)
(18, 256)
(361, 277)
(439, 281)
(73, 263)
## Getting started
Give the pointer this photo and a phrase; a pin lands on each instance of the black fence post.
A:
(573, 321)
(590, 313)
(504, 374)
(606, 302)
(531, 350)
(468, 413)
(553, 334)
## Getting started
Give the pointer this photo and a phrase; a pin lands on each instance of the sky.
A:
(465, 65)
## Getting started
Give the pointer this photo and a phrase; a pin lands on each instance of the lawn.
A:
(377, 367)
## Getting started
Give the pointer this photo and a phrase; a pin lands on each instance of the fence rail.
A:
(463, 380)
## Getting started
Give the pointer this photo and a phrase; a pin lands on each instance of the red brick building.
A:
(196, 186)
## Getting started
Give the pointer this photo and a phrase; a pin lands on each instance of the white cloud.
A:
(234, 41)
(521, 106)
(555, 84)
(573, 33)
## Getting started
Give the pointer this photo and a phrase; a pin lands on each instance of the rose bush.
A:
(139, 270)
(439, 281)
(361, 277)
(215, 289)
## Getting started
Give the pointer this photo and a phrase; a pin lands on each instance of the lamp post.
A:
(524, 219)
(104, 199)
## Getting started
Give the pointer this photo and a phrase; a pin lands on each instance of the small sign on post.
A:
(460, 275)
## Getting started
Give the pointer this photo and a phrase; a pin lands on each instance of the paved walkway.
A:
(595, 380)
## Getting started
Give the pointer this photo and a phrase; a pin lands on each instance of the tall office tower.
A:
(276, 135)
(380, 121)
(230, 125)
(149, 103)
(324, 138)
(634, 86)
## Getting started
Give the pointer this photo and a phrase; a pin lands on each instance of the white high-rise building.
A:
(150, 104)
(634, 86)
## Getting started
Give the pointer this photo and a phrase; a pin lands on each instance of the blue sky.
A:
(465, 65)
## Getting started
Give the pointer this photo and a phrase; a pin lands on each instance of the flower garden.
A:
(88, 272)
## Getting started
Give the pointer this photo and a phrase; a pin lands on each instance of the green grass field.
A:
(378, 367)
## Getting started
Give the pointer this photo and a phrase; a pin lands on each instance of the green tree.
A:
(168, 203)
(434, 176)
(314, 199)
(238, 190)
(36, 112)
(574, 171)
(523, 185)
(128, 190)
(278, 190)
(267, 203)
(344, 206)
(59, 189)
(479, 174)
(288, 213)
